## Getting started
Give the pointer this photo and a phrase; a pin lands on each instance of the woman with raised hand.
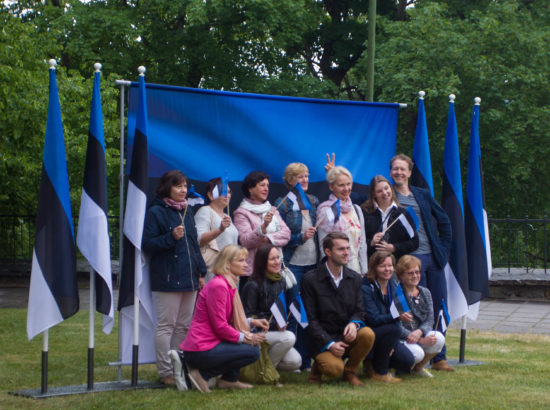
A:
(339, 214)
(417, 325)
(260, 292)
(213, 221)
(257, 221)
(219, 341)
(380, 212)
(177, 269)
(378, 291)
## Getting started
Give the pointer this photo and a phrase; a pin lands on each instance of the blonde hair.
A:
(405, 263)
(335, 172)
(225, 257)
(293, 170)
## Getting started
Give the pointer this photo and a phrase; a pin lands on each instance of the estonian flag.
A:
(444, 319)
(410, 221)
(194, 198)
(299, 198)
(93, 230)
(477, 226)
(53, 293)
(221, 188)
(422, 172)
(299, 311)
(399, 303)
(134, 266)
(456, 269)
(278, 308)
(334, 212)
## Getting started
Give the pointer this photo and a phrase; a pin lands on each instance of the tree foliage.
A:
(315, 48)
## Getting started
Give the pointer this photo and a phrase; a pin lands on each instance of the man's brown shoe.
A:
(314, 376)
(352, 379)
(386, 378)
(442, 365)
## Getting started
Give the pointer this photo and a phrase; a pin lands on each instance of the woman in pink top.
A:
(256, 220)
(219, 340)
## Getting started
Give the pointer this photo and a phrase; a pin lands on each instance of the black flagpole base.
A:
(44, 382)
(135, 356)
(90, 368)
(83, 389)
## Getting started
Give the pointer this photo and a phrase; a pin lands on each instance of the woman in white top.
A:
(213, 221)
(338, 214)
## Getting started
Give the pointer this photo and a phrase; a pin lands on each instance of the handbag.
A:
(210, 251)
(262, 370)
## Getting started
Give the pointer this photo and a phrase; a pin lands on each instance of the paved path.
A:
(494, 315)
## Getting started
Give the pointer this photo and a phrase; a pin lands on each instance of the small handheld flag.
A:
(409, 221)
(299, 311)
(443, 318)
(399, 303)
(278, 308)
(193, 197)
(334, 212)
(299, 198)
(221, 188)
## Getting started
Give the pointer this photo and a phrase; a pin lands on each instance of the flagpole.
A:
(91, 331)
(462, 339)
(44, 381)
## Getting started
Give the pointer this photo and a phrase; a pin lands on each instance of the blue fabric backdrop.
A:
(205, 133)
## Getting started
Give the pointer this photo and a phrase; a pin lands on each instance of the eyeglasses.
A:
(413, 273)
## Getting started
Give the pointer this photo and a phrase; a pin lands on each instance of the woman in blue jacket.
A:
(177, 269)
(378, 290)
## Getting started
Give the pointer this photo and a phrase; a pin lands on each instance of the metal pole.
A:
(370, 51)
(122, 84)
(91, 331)
(462, 340)
(44, 382)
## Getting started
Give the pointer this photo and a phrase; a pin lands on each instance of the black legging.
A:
(387, 339)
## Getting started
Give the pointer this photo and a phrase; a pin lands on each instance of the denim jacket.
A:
(293, 220)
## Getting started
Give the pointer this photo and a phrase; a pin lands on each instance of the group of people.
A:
(343, 257)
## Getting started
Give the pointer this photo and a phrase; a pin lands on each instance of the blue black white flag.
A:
(220, 189)
(93, 230)
(422, 172)
(456, 269)
(278, 308)
(53, 293)
(477, 226)
(334, 212)
(443, 318)
(194, 198)
(299, 311)
(409, 221)
(134, 266)
(399, 303)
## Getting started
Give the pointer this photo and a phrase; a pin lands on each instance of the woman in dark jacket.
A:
(177, 269)
(378, 290)
(259, 293)
(379, 212)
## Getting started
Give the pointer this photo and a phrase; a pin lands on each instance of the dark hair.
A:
(168, 180)
(369, 205)
(251, 180)
(210, 185)
(376, 259)
(328, 241)
(260, 262)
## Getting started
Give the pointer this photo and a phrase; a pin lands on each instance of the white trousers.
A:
(281, 350)
(420, 350)
(174, 313)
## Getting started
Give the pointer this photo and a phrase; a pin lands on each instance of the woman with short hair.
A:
(341, 215)
(417, 325)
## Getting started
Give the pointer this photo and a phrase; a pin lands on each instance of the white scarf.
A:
(262, 210)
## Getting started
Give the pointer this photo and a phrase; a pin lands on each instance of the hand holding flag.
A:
(399, 303)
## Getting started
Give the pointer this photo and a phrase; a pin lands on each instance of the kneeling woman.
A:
(219, 339)
(259, 293)
(417, 325)
(378, 291)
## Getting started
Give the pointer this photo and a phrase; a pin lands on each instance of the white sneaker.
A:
(179, 376)
(423, 373)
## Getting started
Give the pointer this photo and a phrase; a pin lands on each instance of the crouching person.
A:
(334, 305)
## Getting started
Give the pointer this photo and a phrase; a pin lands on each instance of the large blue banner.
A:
(205, 133)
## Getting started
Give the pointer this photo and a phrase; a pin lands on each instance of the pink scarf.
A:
(178, 206)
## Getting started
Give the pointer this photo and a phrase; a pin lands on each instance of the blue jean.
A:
(434, 279)
(299, 272)
(225, 359)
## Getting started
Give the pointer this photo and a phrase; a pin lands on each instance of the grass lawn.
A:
(515, 374)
